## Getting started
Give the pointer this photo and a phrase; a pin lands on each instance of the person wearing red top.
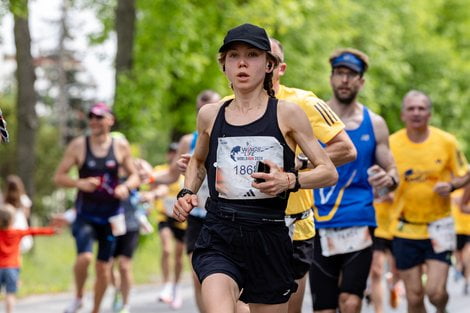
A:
(10, 253)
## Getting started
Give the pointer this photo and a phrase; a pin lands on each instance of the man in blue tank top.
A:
(344, 214)
(98, 158)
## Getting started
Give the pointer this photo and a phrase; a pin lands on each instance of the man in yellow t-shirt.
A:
(329, 129)
(172, 234)
(430, 166)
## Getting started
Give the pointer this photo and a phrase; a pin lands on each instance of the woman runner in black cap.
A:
(244, 250)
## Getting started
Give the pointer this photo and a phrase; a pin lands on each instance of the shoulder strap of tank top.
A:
(272, 108)
(220, 119)
(366, 115)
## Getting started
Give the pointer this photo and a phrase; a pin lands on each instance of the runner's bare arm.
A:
(465, 200)
(73, 156)
(133, 181)
(340, 149)
(171, 175)
(386, 174)
(196, 172)
(329, 129)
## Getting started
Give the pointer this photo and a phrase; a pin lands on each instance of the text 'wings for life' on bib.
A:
(236, 161)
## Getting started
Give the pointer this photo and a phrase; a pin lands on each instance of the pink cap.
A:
(100, 109)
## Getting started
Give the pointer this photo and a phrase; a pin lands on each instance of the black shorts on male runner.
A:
(126, 244)
(303, 256)
(409, 253)
(381, 244)
(342, 273)
(462, 240)
(257, 257)
(172, 223)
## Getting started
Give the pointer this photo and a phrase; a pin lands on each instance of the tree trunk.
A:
(125, 30)
(26, 102)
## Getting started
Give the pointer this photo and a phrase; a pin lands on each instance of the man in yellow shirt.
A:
(430, 166)
(329, 129)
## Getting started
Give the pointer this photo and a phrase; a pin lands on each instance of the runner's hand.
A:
(88, 184)
(121, 192)
(443, 188)
(379, 179)
(276, 180)
(182, 162)
(183, 206)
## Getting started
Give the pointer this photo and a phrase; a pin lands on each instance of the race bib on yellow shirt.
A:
(442, 235)
(236, 161)
(339, 241)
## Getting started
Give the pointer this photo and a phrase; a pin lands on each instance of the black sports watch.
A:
(302, 158)
(183, 192)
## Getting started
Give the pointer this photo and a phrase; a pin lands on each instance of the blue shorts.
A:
(9, 279)
(86, 233)
(409, 253)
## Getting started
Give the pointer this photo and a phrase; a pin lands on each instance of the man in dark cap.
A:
(344, 213)
(98, 158)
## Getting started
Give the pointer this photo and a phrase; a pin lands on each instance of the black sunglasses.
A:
(92, 115)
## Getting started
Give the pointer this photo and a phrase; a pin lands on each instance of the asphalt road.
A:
(143, 300)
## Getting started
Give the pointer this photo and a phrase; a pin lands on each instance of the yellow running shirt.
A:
(326, 125)
(461, 220)
(421, 166)
(384, 214)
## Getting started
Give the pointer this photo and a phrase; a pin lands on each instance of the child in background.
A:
(10, 252)
(15, 195)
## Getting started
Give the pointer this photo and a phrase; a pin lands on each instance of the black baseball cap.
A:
(247, 33)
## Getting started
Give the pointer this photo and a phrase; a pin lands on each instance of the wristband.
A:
(394, 182)
(452, 187)
(184, 192)
(297, 183)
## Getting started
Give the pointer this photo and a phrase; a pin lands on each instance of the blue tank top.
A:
(349, 202)
(99, 205)
(267, 125)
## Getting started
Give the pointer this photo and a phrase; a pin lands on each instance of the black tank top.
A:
(266, 126)
(99, 205)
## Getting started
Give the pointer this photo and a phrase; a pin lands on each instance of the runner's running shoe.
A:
(74, 306)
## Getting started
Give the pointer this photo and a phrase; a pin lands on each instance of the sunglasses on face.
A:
(92, 116)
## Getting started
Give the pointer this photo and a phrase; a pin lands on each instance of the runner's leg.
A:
(436, 284)
(219, 293)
